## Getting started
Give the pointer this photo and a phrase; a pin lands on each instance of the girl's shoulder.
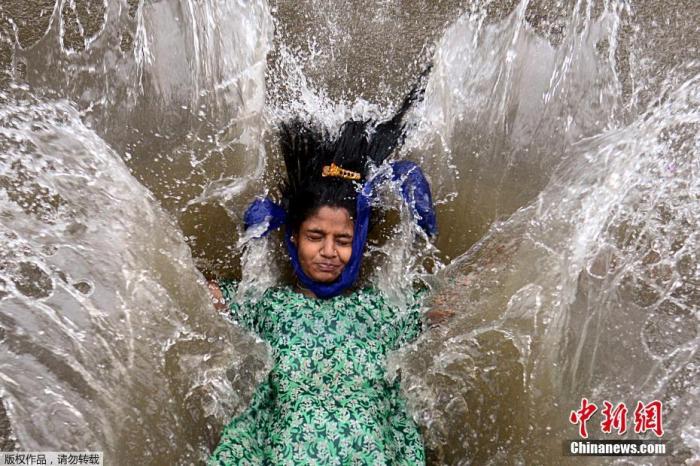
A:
(400, 317)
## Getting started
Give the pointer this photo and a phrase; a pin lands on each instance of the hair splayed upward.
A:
(307, 148)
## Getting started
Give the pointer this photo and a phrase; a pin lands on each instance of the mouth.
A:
(326, 267)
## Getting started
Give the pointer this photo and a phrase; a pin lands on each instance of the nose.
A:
(328, 248)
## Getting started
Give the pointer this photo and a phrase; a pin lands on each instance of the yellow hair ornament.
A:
(335, 170)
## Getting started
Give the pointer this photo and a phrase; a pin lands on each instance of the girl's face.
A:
(324, 243)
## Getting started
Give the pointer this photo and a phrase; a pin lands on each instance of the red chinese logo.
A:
(614, 418)
(582, 416)
(646, 417)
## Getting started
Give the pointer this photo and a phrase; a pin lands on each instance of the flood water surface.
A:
(561, 142)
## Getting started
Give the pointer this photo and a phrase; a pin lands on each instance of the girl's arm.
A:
(217, 296)
(440, 311)
(223, 296)
(438, 316)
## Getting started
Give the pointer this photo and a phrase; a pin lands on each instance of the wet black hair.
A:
(307, 147)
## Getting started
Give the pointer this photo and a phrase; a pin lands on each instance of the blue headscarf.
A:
(415, 190)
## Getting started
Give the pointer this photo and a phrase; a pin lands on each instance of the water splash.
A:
(105, 323)
(587, 292)
(560, 138)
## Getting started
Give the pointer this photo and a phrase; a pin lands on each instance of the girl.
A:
(326, 400)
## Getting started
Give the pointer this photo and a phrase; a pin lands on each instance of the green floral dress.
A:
(326, 400)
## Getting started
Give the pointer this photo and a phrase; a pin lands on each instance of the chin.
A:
(324, 279)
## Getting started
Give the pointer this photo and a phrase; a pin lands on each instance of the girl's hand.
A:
(217, 298)
(438, 316)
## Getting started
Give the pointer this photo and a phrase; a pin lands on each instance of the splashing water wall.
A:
(560, 138)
